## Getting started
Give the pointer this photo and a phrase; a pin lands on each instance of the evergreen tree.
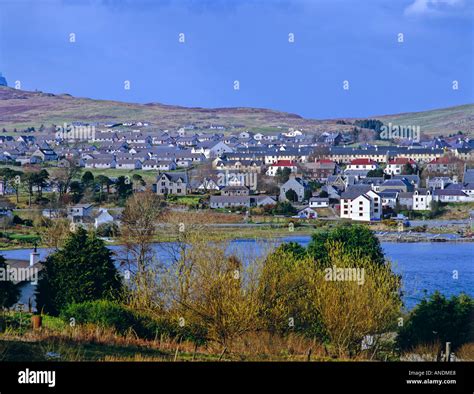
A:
(83, 270)
(9, 293)
(123, 187)
(87, 179)
(356, 238)
(291, 195)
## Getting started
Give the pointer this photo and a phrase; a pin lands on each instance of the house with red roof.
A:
(443, 165)
(281, 164)
(320, 169)
(395, 166)
(362, 164)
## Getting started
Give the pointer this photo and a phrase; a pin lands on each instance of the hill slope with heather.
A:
(21, 109)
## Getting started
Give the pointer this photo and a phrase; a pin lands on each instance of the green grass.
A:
(23, 237)
(185, 200)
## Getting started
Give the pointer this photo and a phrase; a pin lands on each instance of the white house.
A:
(422, 198)
(362, 164)
(307, 213)
(165, 165)
(318, 202)
(450, 195)
(212, 148)
(281, 164)
(129, 164)
(395, 166)
(100, 163)
(103, 217)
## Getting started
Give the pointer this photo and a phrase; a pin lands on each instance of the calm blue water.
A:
(424, 266)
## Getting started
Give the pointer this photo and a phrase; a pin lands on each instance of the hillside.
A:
(436, 122)
(21, 109)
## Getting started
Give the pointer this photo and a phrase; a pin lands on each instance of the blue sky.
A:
(335, 40)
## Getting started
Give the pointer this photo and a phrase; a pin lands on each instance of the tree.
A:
(283, 292)
(87, 179)
(83, 270)
(377, 173)
(40, 180)
(9, 293)
(282, 176)
(137, 181)
(365, 302)
(216, 292)
(12, 180)
(103, 181)
(283, 208)
(28, 181)
(139, 223)
(77, 191)
(408, 169)
(291, 195)
(354, 237)
(319, 152)
(64, 176)
(123, 186)
(54, 233)
(439, 320)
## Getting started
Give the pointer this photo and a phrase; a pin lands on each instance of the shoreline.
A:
(392, 237)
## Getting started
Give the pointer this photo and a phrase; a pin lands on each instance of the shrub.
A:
(439, 319)
(110, 314)
(108, 230)
(103, 313)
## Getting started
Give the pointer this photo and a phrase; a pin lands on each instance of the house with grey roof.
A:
(128, 164)
(405, 199)
(438, 182)
(389, 197)
(399, 184)
(297, 184)
(240, 201)
(158, 165)
(450, 195)
(175, 183)
(413, 179)
(468, 176)
(319, 202)
(360, 203)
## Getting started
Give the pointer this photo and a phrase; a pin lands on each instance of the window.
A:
(361, 214)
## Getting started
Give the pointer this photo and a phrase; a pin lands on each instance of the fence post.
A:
(448, 352)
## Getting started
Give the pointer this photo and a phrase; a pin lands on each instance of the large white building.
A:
(361, 203)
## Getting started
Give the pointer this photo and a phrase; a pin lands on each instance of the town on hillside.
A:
(84, 173)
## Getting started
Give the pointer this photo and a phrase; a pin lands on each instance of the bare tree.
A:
(140, 220)
(64, 175)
